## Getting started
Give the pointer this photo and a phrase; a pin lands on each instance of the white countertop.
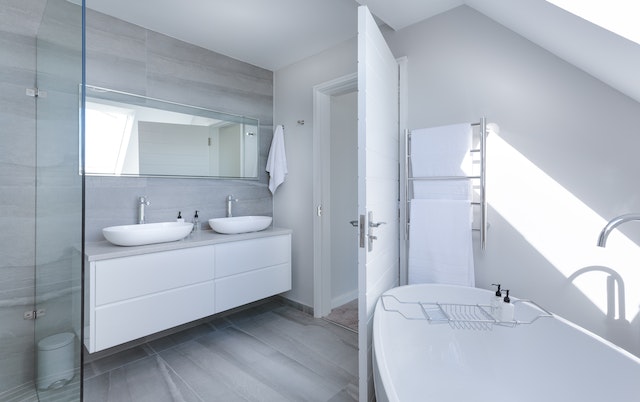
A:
(103, 250)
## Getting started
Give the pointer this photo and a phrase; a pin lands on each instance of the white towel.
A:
(441, 151)
(440, 249)
(442, 189)
(277, 160)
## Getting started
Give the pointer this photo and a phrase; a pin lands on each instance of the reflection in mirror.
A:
(132, 135)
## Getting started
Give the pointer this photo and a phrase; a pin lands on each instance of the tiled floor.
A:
(271, 352)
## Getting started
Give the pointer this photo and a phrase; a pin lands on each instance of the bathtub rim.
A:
(385, 389)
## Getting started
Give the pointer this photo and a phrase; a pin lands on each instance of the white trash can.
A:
(55, 360)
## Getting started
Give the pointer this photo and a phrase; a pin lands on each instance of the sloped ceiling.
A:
(601, 53)
(399, 14)
(275, 33)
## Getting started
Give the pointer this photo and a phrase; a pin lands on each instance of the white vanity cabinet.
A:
(251, 270)
(131, 297)
(134, 292)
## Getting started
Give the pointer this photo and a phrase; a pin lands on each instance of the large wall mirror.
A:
(132, 135)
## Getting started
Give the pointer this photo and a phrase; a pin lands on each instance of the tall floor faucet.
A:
(618, 220)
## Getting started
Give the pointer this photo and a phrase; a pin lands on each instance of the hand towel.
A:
(441, 151)
(277, 160)
(440, 243)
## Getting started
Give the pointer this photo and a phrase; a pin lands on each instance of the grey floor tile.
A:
(269, 366)
(269, 352)
(149, 379)
(348, 394)
(215, 377)
(173, 340)
(290, 330)
(116, 360)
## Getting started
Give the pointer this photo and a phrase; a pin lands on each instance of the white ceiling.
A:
(275, 33)
(399, 14)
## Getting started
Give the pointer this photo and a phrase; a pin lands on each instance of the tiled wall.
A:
(19, 21)
(129, 58)
(59, 192)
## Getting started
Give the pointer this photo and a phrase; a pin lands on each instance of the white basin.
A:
(147, 233)
(240, 224)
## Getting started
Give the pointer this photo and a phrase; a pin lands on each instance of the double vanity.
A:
(132, 292)
(151, 277)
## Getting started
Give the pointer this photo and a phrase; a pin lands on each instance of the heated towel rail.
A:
(480, 158)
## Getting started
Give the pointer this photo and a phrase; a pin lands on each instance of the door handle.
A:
(372, 225)
(354, 223)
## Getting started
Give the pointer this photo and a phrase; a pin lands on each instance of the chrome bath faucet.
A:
(618, 220)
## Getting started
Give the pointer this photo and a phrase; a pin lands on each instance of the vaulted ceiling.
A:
(275, 33)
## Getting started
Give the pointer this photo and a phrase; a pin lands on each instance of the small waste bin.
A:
(55, 360)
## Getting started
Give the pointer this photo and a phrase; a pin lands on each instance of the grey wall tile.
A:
(19, 21)
(115, 49)
(179, 72)
(57, 30)
(20, 16)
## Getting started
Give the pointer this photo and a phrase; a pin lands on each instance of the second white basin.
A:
(147, 233)
(240, 224)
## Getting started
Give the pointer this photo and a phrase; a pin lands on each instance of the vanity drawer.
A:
(236, 290)
(127, 277)
(242, 256)
(125, 321)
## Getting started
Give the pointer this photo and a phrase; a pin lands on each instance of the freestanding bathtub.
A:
(536, 357)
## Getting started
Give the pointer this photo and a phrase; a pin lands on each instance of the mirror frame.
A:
(111, 95)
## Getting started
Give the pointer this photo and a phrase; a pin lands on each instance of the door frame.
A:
(322, 94)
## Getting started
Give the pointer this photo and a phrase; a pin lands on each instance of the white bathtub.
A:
(550, 359)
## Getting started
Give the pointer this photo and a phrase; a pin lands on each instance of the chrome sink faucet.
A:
(143, 201)
(618, 220)
(230, 201)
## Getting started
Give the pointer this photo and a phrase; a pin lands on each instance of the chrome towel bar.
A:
(481, 177)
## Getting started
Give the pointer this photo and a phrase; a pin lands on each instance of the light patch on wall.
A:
(618, 16)
(564, 230)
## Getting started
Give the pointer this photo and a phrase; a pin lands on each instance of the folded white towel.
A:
(441, 151)
(443, 189)
(277, 160)
(440, 249)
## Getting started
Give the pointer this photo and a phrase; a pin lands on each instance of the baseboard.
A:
(298, 306)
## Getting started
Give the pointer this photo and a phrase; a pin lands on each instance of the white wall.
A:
(565, 160)
(344, 198)
(293, 201)
(563, 164)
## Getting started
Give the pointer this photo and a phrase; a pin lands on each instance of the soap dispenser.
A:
(507, 309)
(196, 222)
(496, 300)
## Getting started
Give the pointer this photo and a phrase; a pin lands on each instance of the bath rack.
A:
(481, 153)
(458, 316)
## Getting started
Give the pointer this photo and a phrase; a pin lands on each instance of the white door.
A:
(378, 180)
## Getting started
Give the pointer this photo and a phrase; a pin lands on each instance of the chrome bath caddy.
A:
(458, 316)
